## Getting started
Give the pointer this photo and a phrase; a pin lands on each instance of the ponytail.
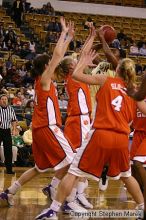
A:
(128, 73)
(62, 70)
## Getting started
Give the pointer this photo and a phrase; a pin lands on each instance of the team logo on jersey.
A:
(56, 130)
(85, 122)
(86, 136)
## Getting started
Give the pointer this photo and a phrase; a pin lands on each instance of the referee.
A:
(7, 119)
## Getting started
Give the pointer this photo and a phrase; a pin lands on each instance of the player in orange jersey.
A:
(50, 147)
(78, 122)
(107, 141)
(138, 150)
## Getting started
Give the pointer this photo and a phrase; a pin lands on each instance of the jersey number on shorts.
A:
(117, 103)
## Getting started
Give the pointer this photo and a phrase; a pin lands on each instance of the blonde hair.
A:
(127, 72)
(104, 68)
(62, 70)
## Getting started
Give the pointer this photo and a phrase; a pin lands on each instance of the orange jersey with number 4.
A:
(116, 108)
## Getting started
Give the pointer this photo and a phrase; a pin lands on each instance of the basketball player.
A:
(50, 147)
(77, 122)
(108, 68)
(107, 142)
(138, 150)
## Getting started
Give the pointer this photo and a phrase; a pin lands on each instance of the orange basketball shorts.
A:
(102, 147)
(51, 149)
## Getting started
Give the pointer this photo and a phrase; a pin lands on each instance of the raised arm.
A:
(89, 41)
(59, 51)
(108, 53)
(86, 60)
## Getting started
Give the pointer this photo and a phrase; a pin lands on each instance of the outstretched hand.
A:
(65, 28)
(71, 29)
(87, 58)
(92, 30)
(101, 33)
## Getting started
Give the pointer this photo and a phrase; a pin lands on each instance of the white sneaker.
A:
(140, 207)
(103, 184)
(50, 192)
(6, 198)
(47, 214)
(83, 201)
(73, 206)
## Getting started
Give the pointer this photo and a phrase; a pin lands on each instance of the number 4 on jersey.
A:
(117, 103)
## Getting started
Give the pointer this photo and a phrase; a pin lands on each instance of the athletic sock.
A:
(55, 182)
(81, 187)
(72, 195)
(14, 187)
(55, 206)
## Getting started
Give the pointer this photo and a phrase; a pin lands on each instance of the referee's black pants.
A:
(6, 138)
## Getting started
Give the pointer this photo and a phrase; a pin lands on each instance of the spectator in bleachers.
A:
(56, 37)
(2, 44)
(62, 102)
(14, 153)
(17, 50)
(22, 71)
(76, 43)
(88, 22)
(9, 62)
(9, 46)
(29, 108)
(50, 37)
(2, 31)
(116, 43)
(19, 42)
(17, 142)
(10, 35)
(16, 79)
(53, 25)
(27, 79)
(43, 10)
(25, 98)
(138, 67)
(141, 42)
(18, 11)
(50, 9)
(32, 46)
(134, 49)
(30, 90)
(142, 50)
(17, 100)
(27, 136)
(121, 35)
(28, 65)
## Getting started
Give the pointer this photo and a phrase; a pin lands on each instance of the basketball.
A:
(110, 33)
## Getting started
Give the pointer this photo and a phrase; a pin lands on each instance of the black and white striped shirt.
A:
(7, 115)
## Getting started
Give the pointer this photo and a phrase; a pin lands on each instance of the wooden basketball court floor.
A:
(30, 200)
